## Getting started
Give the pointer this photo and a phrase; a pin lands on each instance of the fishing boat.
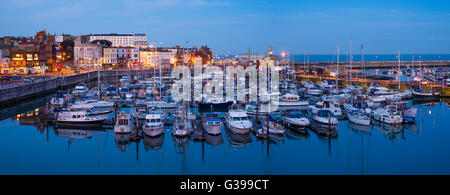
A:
(237, 120)
(153, 125)
(325, 117)
(124, 123)
(78, 118)
(182, 128)
(291, 100)
(295, 119)
(358, 117)
(80, 89)
(212, 124)
(389, 115)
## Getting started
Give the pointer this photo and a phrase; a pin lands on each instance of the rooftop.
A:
(116, 34)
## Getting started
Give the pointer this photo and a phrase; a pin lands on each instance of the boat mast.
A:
(337, 71)
(399, 70)
(99, 94)
(420, 72)
(363, 76)
(351, 61)
(160, 77)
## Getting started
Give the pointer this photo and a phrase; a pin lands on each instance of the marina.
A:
(319, 128)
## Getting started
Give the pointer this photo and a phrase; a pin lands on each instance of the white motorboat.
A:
(129, 95)
(212, 124)
(377, 90)
(237, 120)
(58, 101)
(325, 117)
(295, 119)
(78, 118)
(361, 105)
(153, 125)
(124, 123)
(389, 115)
(291, 100)
(90, 110)
(314, 91)
(358, 117)
(80, 89)
(407, 111)
(332, 106)
(99, 105)
(326, 84)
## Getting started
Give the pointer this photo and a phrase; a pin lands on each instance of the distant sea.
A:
(373, 57)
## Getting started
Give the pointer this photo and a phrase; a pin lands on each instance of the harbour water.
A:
(28, 145)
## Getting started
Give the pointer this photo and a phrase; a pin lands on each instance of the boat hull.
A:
(81, 123)
(153, 132)
(295, 124)
(238, 130)
(213, 129)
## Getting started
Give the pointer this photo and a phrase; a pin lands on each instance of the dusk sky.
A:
(297, 26)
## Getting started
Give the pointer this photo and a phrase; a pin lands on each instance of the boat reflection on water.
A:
(390, 131)
(153, 143)
(78, 133)
(322, 129)
(238, 140)
(181, 143)
(214, 140)
(412, 127)
(296, 135)
(122, 141)
(277, 137)
(357, 127)
(426, 102)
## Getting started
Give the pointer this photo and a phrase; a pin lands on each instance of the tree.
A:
(105, 43)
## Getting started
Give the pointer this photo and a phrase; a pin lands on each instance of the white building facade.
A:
(123, 40)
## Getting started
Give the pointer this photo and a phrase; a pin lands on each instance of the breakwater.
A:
(374, 64)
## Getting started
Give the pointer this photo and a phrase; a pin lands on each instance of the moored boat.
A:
(237, 120)
(212, 124)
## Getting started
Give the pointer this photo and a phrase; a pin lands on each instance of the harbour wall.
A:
(13, 93)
